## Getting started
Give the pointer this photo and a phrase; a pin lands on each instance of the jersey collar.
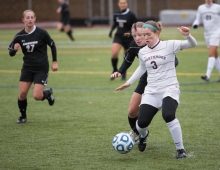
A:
(33, 30)
(126, 11)
(155, 44)
(208, 5)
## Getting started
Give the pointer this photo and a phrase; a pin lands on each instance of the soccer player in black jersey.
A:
(130, 55)
(65, 24)
(123, 21)
(33, 42)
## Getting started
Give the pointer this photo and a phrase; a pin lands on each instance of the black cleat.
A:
(51, 98)
(142, 143)
(181, 153)
(205, 78)
(22, 120)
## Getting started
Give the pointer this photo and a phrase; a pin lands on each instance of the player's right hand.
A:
(115, 75)
(16, 46)
(195, 26)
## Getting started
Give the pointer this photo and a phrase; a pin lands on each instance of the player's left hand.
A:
(54, 66)
(16, 46)
(115, 74)
(184, 30)
(123, 86)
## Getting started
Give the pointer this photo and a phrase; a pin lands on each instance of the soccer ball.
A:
(123, 143)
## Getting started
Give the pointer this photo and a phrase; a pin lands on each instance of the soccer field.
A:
(76, 133)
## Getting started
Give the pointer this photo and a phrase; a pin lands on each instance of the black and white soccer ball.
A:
(123, 143)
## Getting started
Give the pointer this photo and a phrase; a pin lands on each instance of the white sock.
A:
(143, 131)
(176, 132)
(210, 66)
(217, 64)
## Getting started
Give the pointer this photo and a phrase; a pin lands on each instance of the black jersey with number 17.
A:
(34, 48)
(123, 20)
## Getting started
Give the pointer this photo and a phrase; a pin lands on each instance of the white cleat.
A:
(134, 136)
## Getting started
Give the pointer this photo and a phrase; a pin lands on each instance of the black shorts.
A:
(65, 21)
(123, 40)
(141, 85)
(38, 77)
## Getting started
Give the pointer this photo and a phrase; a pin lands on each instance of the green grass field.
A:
(76, 133)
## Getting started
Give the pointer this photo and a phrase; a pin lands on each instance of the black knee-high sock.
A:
(46, 94)
(69, 33)
(114, 64)
(132, 123)
(22, 105)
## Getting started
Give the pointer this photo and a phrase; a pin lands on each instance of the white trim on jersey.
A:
(123, 13)
(12, 44)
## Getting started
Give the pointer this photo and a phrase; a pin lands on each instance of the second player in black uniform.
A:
(65, 24)
(123, 21)
(33, 42)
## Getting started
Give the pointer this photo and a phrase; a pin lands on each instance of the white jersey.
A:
(209, 15)
(159, 62)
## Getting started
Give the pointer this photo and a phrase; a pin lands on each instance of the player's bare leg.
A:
(40, 94)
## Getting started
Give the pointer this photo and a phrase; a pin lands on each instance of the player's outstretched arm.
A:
(190, 40)
(123, 86)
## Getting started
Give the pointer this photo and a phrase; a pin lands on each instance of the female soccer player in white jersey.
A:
(33, 42)
(132, 52)
(209, 14)
(162, 90)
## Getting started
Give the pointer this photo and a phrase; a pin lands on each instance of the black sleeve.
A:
(124, 66)
(12, 52)
(51, 43)
(129, 57)
(132, 52)
(115, 24)
(54, 52)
